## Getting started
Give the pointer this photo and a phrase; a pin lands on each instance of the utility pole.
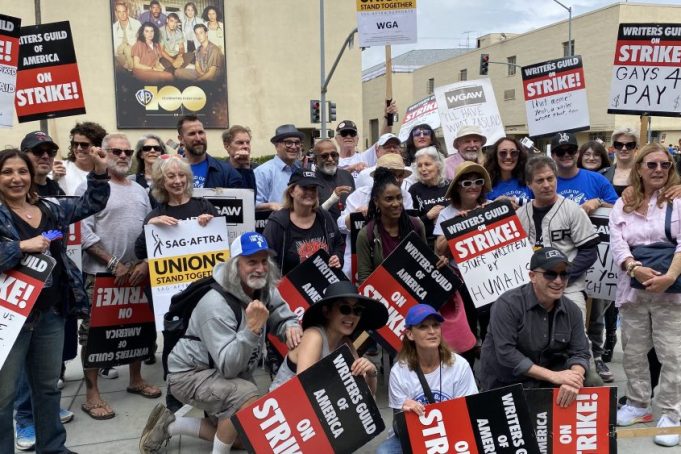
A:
(569, 43)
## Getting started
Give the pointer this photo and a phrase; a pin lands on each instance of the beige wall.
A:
(373, 102)
(272, 65)
(595, 35)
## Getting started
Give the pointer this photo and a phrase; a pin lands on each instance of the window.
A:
(430, 87)
(463, 74)
(509, 95)
(373, 127)
(566, 51)
(511, 65)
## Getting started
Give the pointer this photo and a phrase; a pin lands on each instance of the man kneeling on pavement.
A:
(211, 367)
(536, 335)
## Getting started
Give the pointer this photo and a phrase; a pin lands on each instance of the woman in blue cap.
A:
(424, 353)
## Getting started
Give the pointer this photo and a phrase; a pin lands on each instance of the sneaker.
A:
(108, 373)
(60, 384)
(667, 440)
(628, 415)
(606, 375)
(25, 438)
(609, 346)
(155, 433)
(65, 415)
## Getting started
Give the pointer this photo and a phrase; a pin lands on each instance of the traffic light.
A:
(484, 64)
(315, 111)
(332, 111)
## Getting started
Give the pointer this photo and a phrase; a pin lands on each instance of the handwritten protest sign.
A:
(19, 290)
(122, 326)
(181, 254)
(236, 205)
(586, 426)
(422, 112)
(555, 96)
(385, 23)
(491, 249)
(48, 83)
(324, 409)
(647, 70)
(408, 276)
(304, 285)
(10, 28)
(495, 421)
(601, 278)
(469, 103)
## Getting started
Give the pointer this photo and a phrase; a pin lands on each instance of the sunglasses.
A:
(552, 275)
(348, 133)
(505, 154)
(622, 145)
(51, 152)
(421, 133)
(346, 309)
(325, 156)
(652, 165)
(156, 148)
(119, 151)
(84, 145)
(469, 183)
(563, 151)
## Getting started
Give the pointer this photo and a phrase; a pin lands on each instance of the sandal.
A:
(90, 408)
(145, 390)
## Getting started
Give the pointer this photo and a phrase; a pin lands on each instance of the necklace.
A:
(18, 211)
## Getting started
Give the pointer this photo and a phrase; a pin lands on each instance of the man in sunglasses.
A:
(590, 190)
(336, 183)
(41, 149)
(536, 335)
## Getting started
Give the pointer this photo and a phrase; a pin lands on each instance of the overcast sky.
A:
(449, 23)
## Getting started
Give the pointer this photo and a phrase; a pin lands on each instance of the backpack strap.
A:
(424, 385)
(668, 224)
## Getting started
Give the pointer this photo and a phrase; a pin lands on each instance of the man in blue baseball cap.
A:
(211, 366)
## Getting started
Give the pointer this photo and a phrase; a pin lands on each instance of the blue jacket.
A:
(222, 175)
(65, 212)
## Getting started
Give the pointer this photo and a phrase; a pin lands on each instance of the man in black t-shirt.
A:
(41, 149)
(336, 183)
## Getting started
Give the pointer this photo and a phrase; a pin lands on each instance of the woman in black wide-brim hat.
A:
(330, 323)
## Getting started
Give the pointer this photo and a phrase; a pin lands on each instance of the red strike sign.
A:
(576, 428)
(555, 84)
(486, 239)
(646, 53)
(55, 87)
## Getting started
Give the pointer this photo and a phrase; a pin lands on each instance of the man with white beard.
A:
(336, 183)
(211, 366)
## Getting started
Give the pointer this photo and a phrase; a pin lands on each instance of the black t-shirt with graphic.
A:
(303, 243)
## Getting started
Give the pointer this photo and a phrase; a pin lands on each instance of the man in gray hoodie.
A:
(211, 366)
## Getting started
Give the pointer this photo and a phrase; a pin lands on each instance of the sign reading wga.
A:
(170, 98)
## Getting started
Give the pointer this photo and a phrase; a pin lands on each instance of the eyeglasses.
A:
(346, 309)
(652, 165)
(84, 145)
(348, 133)
(291, 143)
(505, 154)
(469, 183)
(325, 156)
(552, 275)
(156, 148)
(51, 152)
(560, 152)
(421, 133)
(621, 145)
(118, 151)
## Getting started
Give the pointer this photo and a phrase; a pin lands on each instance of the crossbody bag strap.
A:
(668, 223)
(424, 385)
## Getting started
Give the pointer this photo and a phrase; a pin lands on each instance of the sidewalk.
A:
(120, 435)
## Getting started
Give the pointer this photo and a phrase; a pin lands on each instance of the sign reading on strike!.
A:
(555, 96)
(601, 278)
(324, 409)
(19, 290)
(408, 276)
(495, 421)
(122, 326)
(587, 426)
(383, 23)
(10, 28)
(491, 249)
(305, 285)
(422, 112)
(236, 205)
(646, 75)
(48, 83)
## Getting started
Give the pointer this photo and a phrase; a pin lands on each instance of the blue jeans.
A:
(22, 404)
(38, 350)
(390, 446)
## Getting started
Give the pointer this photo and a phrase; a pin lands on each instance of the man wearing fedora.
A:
(468, 142)
(272, 177)
(536, 335)
(211, 366)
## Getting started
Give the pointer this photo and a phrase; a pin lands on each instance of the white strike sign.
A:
(382, 23)
(422, 112)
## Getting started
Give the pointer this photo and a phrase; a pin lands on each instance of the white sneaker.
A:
(628, 415)
(667, 440)
(60, 384)
(108, 373)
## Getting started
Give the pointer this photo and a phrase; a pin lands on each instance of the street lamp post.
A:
(569, 10)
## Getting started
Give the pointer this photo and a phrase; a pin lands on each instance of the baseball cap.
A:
(563, 139)
(346, 125)
(547, 258)
(35, 138)
(419, 313)
(304, 178)
(387, 137)
(248, 243)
